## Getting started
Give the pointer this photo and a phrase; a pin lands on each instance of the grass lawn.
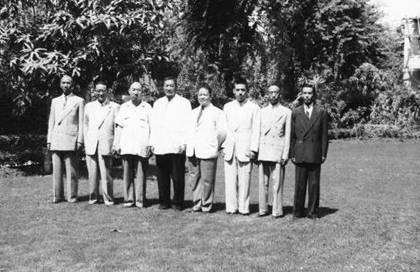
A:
(370, 208)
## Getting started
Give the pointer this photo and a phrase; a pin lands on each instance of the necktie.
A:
(65, 102)
(307, 113)
(200, 113)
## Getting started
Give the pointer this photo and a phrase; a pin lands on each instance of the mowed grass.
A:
(370, 208)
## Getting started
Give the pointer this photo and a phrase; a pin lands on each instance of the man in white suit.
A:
(65, 138)
(273, 152)
(208, 131)
(99, 130)
(240, 148)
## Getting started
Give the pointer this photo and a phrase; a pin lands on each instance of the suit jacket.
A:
(275, 133)
(65, 125)
(309, 139)
(243, 130)
(99, 127)
(206, 134)
(170, 124)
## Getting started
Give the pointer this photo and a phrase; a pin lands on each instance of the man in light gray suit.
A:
(65, 138)
(273, 152)
(99, 130)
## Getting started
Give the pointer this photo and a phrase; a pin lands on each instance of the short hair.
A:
(312, 86)
(207, 87)
(135, 82)
(241, 80)
(101, 83)
(170, 78)
(65, 75)
(273, 86)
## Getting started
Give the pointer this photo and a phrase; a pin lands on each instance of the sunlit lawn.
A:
(370, 199)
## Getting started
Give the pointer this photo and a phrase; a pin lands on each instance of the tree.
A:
(116, 41)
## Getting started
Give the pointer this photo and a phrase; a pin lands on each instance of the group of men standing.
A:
(243, 133)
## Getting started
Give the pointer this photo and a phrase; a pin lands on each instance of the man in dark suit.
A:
(309, 146)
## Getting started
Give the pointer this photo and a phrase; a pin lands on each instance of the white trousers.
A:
(98, 164)
(237, 181)
(271, 172)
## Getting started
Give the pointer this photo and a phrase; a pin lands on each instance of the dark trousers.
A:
(135, 178)
(307, 174)
(171, 166)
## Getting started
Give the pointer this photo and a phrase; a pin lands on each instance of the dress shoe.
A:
(313, 216)
(244, 214)
(128, 204)
(55, 201)
(177, 207)
(93, 201)
(195, 211)
(139, 205)
(262, 214)
(230, 213)
(277, 216)
(297, 216)
(163, 207)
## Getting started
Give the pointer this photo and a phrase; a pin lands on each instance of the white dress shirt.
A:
(308, 109)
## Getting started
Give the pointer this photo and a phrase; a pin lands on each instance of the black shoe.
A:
(277, 216)
(297, 216)
(195, 211)
(163, 207)
(244, 214)
(177, 207)
(313, 216)
(262, 214)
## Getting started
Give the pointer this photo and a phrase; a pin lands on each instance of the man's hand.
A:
(149, 152)
(182, 148)
(283, 161)
(293, 160)
(48, 146)
(252, 155)
(116, 150)
(79, 145)
(323, 159)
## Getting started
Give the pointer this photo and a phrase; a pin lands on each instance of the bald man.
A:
(132, 142)
(273, 152)
(64, 139)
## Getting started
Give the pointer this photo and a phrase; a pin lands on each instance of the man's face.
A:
(273, 95)
(203, 97)
(241, 93)
(308, 95)
(135, 92)
(66, 85)
(101, 92)
(169, 86)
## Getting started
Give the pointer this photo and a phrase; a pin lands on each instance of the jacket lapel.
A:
(69, 107)
(104, 113)
(314, 116)
(275, 117)
(238, 121)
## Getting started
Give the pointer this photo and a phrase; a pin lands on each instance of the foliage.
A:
(17, 150)
(339, 46)
(399, 107)
(116, 41)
